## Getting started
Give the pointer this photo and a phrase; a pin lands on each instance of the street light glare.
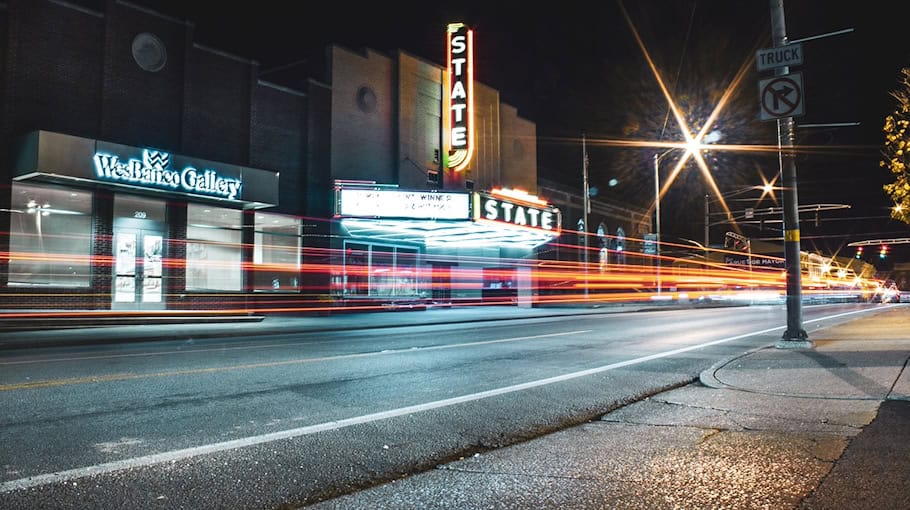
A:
(713, 136)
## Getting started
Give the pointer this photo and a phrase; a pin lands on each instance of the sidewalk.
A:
(821, 428)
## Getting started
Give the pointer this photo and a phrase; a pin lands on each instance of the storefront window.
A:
(50, 236)
(276, 253)
(405, 271)
(213, 248)
(381, 271)
(357, 269)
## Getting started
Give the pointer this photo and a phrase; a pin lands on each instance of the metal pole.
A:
(707, 227)
(749, 247)
(794, 336)
(586, 205)
(657, 215)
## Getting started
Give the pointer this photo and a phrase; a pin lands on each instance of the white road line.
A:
(266, 346)
(149, 460)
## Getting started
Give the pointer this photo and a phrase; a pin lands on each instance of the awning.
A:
(56, 157)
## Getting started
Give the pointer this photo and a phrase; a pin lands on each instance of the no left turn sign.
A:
(781, 96)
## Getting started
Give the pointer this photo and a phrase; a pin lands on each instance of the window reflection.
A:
(50, 236)
(375, 270)
(276, 253)
(213, 248)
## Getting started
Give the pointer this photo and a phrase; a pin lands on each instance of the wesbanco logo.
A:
(152, 171)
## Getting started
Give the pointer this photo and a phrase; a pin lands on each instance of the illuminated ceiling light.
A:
(358, 182)
(518, 194)
(449, 234)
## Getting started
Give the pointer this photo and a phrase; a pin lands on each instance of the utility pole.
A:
(707, 227)
(794, 336)
(657, 214)
(586, 205)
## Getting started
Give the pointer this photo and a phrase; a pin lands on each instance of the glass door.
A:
(138, 269)
(151, 268)
(125, 267)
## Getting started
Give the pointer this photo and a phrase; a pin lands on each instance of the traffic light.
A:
(859, 252)
(884, 252)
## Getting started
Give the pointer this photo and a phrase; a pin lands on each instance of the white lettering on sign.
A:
(459, 120)
(518, 214)
(780, 56)
(378, 203)
(152, 171)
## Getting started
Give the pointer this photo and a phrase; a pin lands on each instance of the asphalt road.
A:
(288, 419)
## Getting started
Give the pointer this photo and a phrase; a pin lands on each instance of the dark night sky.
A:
(576, 68)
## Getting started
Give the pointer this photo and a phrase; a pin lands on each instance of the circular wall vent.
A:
(366, 99)
(149, 52)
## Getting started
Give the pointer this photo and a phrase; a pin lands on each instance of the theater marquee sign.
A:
(402, 204)
(529, 213)
(459, 122)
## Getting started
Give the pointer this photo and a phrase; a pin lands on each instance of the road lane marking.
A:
(186, 453)
(128, 376)
(221, 348)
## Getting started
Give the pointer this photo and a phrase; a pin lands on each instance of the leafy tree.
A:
(896, 153)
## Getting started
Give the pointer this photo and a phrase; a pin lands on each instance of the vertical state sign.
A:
(460, 96)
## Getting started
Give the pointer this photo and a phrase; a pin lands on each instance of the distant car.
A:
(888, 293)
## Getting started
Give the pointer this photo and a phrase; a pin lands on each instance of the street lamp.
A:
(691, 146)
(657, 158)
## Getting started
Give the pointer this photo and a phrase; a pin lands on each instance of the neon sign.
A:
(503, 208)
(460, 85)
(153, 172)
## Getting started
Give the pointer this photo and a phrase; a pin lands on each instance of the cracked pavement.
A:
(692, 447)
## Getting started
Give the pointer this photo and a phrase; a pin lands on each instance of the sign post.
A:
(780, 56)
(781, 99)
(781, 96)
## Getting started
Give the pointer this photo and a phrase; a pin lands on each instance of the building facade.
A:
(145, 172)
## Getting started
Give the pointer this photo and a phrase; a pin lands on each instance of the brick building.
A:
(145, 172)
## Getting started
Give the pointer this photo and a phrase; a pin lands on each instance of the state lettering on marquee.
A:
(517, 213)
